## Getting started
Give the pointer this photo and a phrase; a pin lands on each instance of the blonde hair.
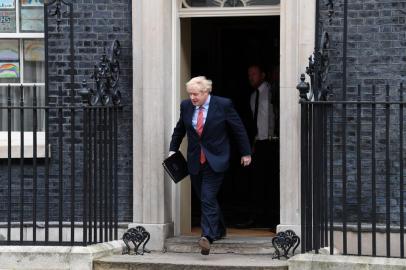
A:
(201, 83)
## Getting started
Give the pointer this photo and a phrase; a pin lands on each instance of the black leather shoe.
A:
(204, 244)
(222, 236)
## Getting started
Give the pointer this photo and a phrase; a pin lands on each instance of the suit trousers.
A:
(207, 185)
(265, 183)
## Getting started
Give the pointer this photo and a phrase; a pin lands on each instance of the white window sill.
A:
(28, 145)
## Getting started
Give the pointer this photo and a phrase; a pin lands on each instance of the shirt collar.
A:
(263, 87)
(206, 104)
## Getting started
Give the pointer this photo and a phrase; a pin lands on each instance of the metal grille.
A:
(352, 159)
(48, 199)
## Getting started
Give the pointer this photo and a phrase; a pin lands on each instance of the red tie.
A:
(199, 130)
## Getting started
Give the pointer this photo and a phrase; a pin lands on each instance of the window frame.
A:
(15, 135)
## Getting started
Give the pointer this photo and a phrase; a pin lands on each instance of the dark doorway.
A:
(222, 50)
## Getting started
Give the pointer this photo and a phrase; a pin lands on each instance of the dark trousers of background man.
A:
(265, 183)
(207, 185)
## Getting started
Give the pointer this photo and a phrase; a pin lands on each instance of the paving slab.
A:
(339, 262)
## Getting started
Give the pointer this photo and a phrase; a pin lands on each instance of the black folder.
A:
(176, 167)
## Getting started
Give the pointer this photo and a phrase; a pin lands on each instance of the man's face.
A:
(255, 76)
(197, 97)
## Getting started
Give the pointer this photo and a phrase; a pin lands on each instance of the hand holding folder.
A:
(176, 166)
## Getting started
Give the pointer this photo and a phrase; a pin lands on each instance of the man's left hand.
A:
(245, 160)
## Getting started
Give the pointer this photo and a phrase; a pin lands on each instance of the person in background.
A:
(263, 184)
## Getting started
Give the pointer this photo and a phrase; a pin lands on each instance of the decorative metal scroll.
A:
(283, 242)
(57, 10)
(318, 69)
(330, 6)
(139, 237)
(106, 79)
(227, 3)
(319, 63)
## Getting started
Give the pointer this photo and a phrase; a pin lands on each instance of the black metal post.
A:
(309, 184)
(115, 174)
(387, 182)
(105, 178)
(9, 206)
(46, 37)
(91, 178)
(85, 174)
(60, 146)
(373, 171)
(304, 173)
(111, 182)
(101, 206)
(401, 181)
(324, 194)
(331, 167)
(316, 162)
(72, 92)
(34, 161)
(73, 176)
(95, 174)
(359, 168)
(344, 152)
(21, 163)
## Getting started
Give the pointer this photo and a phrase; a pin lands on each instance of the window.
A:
(22, 59)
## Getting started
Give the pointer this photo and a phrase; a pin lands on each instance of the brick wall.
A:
(376, 55)
(96, 24)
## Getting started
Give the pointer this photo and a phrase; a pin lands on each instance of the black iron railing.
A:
(352, 173)
(60, 188)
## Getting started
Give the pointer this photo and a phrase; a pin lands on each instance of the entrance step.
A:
(234, 244)
(189, 261)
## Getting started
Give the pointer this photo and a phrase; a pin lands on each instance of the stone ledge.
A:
(28, 144)
(159, 233)
(56, 257)
(235, 244)
(189, 261)
(319, 262)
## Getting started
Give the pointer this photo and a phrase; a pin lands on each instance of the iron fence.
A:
(59, 182)
(352, 173)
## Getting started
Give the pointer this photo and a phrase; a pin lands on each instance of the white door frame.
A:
(297, 27)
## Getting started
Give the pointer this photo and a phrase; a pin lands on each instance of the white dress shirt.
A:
(205, 110)
(266, 117)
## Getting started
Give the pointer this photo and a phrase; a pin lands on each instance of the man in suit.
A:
(264, 182)
(207, 121)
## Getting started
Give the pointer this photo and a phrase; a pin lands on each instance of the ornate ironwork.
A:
(283, 242)
(303, 87)
(319, 65)
(106, 78)
(330, 6)
(137, 236)
(318, 69)
(57, 11)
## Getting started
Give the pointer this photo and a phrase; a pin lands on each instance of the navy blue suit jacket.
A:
(221, 119)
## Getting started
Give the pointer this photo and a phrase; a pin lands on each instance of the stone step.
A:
(189, 261)
(235, 244)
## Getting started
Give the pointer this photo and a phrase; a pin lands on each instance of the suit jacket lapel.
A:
(210, 114)
(189, 116)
